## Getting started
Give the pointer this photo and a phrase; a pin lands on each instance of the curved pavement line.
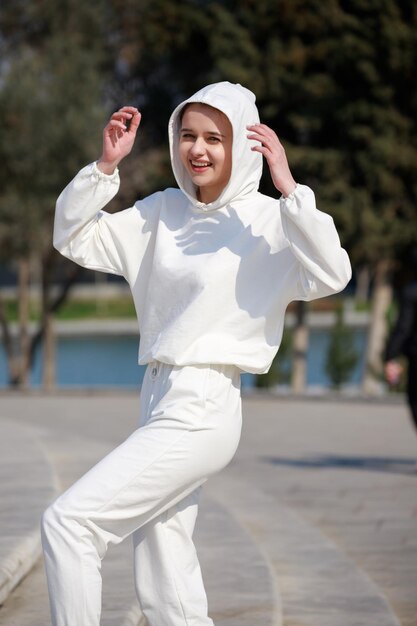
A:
(320, 585)
(17, 562)
(28, 484)
(238, 580)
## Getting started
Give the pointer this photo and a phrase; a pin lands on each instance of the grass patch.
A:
(97, 309)
(81, 309)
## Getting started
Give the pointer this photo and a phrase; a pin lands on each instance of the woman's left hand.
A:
(274, 152)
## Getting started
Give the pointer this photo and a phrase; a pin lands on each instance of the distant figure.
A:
(403, 338)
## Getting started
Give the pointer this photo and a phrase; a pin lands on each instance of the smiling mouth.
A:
(200, 166)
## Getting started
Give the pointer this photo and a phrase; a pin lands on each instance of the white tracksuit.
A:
(210, 284)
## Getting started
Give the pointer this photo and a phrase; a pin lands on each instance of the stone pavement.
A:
(23, 499)
(313, 523)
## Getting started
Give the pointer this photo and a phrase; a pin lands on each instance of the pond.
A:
(111, 361)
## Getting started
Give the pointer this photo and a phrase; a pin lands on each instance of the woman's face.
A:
(205, 148)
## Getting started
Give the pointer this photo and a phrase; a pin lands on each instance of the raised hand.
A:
(274, 152)
(118, 138)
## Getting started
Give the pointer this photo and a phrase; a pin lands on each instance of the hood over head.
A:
(238, 104)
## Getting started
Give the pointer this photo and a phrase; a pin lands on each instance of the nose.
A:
(198, 147)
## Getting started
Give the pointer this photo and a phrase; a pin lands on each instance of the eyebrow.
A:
(208, 132)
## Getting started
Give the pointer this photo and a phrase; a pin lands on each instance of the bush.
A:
(280, 371)
(342, 355)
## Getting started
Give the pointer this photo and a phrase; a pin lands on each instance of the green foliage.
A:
(280, 372)
(74, 309)
(51, 110)
(335, 79)
(121, 307)
(52, 77)
(342, 355)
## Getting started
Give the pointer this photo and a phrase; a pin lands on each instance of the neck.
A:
(206, 196)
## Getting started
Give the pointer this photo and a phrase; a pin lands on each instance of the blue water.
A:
(111, 361)
(317, 352)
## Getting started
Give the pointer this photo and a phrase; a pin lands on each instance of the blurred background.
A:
(336, 79)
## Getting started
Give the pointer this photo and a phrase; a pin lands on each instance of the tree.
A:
(334, 79)
(337, 82)
(50, 126)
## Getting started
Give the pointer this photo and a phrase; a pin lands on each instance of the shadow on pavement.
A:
(377, 464)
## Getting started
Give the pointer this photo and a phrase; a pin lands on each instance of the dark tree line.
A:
(335, 79)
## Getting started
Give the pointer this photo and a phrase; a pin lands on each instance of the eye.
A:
(214, 139)
(187, 136)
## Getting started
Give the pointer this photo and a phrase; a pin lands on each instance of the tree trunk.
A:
(378, 328)
(23, 299)
(300, 347)
(71, 279)
(48, 353)
(48, 343)
(363, 279)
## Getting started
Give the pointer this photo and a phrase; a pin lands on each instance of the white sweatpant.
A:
(190, 424)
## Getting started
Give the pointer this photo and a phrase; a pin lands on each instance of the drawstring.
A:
(153, 369)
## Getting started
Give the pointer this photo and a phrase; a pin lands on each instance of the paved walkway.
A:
(314, 523)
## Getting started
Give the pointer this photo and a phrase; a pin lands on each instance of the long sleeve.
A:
(324, 266)
(403, 338)
(83, 232)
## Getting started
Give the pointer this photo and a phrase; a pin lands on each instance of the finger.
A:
(263, 140)
(116, 124)
(122, 116)
(264, 137)
(263, 150)
(126, 112)
(256, 137)
(135, 121)
(128, 109)
(263, 130)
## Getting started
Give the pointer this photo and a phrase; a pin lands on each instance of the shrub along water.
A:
(342, 356)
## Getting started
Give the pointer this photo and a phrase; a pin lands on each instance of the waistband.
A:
(157, 368)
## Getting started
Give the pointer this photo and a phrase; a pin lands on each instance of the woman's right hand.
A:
(118, 140)
(393, 371)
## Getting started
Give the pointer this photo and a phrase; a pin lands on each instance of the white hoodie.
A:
(210, 282)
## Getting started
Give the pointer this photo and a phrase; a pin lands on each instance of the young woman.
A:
(212, 267)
